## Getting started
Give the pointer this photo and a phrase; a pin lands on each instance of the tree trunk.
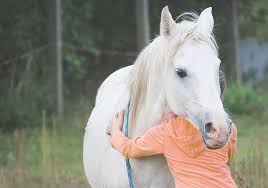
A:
(55, 51)
(236, 38)
(224, 31)
(142, 21)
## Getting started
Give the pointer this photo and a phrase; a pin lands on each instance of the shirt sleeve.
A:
(232, 143)
(151, 143)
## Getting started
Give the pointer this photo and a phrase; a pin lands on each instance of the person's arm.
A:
(151, 143)
(232, 143)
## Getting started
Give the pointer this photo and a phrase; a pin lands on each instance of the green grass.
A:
(250, 131)
(53, 156)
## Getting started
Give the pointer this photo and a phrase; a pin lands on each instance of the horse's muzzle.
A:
(216, 135)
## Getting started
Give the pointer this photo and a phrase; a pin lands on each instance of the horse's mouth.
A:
(215, 143)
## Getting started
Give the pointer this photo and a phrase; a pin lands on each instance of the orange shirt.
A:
(190, 162)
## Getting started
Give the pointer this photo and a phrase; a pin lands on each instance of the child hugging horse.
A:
(191, 164)
(176, 79)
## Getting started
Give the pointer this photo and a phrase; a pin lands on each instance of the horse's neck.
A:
(150, 113)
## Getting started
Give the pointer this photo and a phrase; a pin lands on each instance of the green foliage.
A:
(246, 100)
(79, 35)
(79, 31)
(253, 19)
(21, 27)
(14, 113)
(24, 111)
(75, 66)
(21, 106)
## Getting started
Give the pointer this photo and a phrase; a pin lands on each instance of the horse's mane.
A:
(156, 56)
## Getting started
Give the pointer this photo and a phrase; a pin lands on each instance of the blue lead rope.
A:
(129, 174)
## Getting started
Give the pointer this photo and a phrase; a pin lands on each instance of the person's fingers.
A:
(115, 117)
(121, 116)
(122, 119)
(116, 121)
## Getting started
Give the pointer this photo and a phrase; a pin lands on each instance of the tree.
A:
(143, 26)
(56, 50)
(236, 39)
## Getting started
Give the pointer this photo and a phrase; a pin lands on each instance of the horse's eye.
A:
(181, 73)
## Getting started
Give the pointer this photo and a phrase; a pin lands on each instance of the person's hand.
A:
(116, 123)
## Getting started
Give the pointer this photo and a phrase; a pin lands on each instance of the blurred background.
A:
(56, 53)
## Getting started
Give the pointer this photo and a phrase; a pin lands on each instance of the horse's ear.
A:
(205, 22)
(167, 24)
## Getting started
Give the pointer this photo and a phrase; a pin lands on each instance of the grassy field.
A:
(250, 166)
(50, 155)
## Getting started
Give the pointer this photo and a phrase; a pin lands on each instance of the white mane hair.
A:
(150, 64)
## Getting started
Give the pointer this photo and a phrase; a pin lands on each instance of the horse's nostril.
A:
(208, 127)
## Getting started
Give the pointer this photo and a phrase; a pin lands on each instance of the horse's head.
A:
(192, 76)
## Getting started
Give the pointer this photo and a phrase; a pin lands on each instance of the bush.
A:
(245, 99)
(19, 114)
(25, 110)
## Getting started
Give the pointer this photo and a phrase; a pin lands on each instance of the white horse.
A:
(180, 70)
